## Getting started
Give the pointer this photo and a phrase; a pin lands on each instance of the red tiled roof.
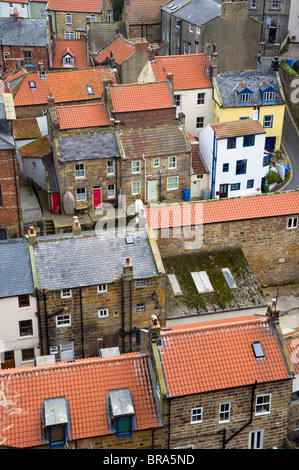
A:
(121, 48)
(65, 85)
(26, 129)
(13, 76)
(197, 163)
(92, 6)
(83, 115)
(38, 148)
(218, 355)
(77, 49)
(224, 210)
(27, 387)
(140, 97)
(292, 342)
(190, 71)
(143, 11)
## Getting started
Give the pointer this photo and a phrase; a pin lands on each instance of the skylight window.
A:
(32, 84)
(89, 90)
(202, 282)
(229, 278)
(174, 284)
(258, 350)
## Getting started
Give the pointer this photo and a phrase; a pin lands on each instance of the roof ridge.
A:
(76, 363)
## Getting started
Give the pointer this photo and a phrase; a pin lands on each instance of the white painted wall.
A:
(254, 156)
(37, 173)
(10, 339)
(192, 110)
(293, 26)
(6, 10)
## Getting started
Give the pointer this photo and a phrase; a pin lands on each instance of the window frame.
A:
(134, 163)
(93, 18)
(233, 188)
(66, 293)
(201, 99)
(231, 142)
(68, 16)
(63, 320)
(266, 159)
(274, 4)
(69, 34)
(25, 359)
(111, 192)
(27, 329)
(140, 282)
(156, 160)
(103, 313)
(200, 124)
(195, 413)
(245, 97)
(176, 178)
(89, 90)
(263, 404)
(28, 58)
(267, 121)
(79, 170)
(241, 167)
(249, 140)
(140, 307)
(250, 184)
(101, 288)
(83, 193)
(127, 433)
(292, 223)
(225, 168)
(110, 165)
(253, 435)
(172, 162)
(178, 100)
(224, 412)
(24, 300)
(139, 187)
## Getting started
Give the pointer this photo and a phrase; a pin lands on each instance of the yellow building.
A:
(257, 95)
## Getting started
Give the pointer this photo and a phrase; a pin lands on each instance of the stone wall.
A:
(155, 117)
(270, 248)
(78, 22)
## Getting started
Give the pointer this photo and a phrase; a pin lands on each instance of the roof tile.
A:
(84, 115)
(77, 49)
(141, 97)
(121, 48)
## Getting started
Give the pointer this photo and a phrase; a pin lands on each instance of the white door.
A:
(152, 190)
(194, 188)
(67, 352)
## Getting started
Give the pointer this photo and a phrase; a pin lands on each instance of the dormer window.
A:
(121, 413)
(68, 60)
(267, 92)
(56, 422)
(244, 93)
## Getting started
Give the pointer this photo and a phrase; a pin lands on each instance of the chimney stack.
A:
(31, 235)
(151, 54)
(15, 15)
(181, 118)
(51, 102)
(105, 85)
(76, 227)
(155, 329)
(255, 113)
(169, 78)
(128, 270)
(273, 312)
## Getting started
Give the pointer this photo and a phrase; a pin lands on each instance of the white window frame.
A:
(140, 282)
(253, 4)
(68, 16)
(196, 415)
(111, 190)
(265, 403)
(79, 170)
(81, 196)
(66, 293)
(292, 223)
(269, 96)
(102, 288)
(201, 99)
(110, 18)
(170, 183)
(136, 191)
(110, 167)
(200, 124)
(5, 55)
(93, 18)
(191, 27)
(198, 30)
(245, 98)
(178, 100)
(134, 164)
(69, 34)
(42, 13)
(63, 320)
(89, 90)
(275, 4)
(172, 162)
(268, 121)
(156, 163)
(103, 313)
(140, 307)
(253, 435)
(224, 409)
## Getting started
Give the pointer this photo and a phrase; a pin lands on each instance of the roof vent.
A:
(129, 240)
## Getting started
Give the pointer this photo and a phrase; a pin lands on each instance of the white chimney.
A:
(255, 113)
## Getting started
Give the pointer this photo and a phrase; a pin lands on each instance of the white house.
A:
(234, 154)
(19, 336)
(293, 25)
(8, 8)
(191, 84)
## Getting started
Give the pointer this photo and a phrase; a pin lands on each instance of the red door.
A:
(56, 202)
(97, 199)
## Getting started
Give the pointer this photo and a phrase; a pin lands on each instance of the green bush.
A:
(272, 177)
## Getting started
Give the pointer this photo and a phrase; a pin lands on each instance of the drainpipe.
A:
(130, 316)
(116, 182)
(81, 319)
(18, 207)
(39, 322)
(122, 313)
(169, 416)
(46, 319)
(143, 157)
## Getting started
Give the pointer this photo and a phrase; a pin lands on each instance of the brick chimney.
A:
(31, 235)
(142, 45)
(128, 270)
(15, 15)
(151, 54)
(273, 312)
(214, 61)
(51, 101)
(41, 70)
(76, 227)
(155, 329)
(105, 85)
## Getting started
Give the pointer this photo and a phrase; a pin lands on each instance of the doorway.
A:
(152, 190)
(223, 190)
(194, 188)
(9, 360)
(97, 196)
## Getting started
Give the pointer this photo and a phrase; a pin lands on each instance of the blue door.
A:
(270, 143)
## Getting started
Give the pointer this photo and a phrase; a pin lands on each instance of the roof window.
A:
(258, 350)
(174, 284)
(121, 413)
(89, 90)
(202, 282)
(229, 278)
(32, 84)
(56, 421)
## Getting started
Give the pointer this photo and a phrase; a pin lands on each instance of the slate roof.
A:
(26, 32)
(197, 12)
(27, 387)
(190, 71)
(140, 97)
(223, 130)
(6, 141)
(156, 141)
(87, 147)
(224, 210)
(101, 34)
(226, 83)
(15, 269)
(76, 47)
(92, 6)
(65, 86)
(90, 260)
(218, 355)
(83, 115)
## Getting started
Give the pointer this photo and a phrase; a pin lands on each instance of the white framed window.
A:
(191, 28)
(68, 18)
(136, 166)
(79, 170)
(136, 187)
(196, 415)
(253, 4)
(156, 163)
(66, 293)
(200, 122)
(42, 13)
(89, 90)
(224, 412)
(110, 16)
(93, 18)
(110, 167)
(140, 282)
(256, 439)
(140, 307)
(172, 162)
(172, 183)
(262, 404)
(275, 4)
(54, 350)
(269, 96)
(197, 29)
(178, 100)
(292, 222)
(268, 121)
(69, 34)
(68, 61)
(102, 288)
(111, 190)
(196, 47)
(167, 35)
(184, 47)
(103, 312)
(81, 194)
(5, 55)
(201, 98)
(245, 97)
(63, 320)
(33, 165)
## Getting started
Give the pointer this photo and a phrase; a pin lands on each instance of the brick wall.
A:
(30, 111)
(78, 22)
(270, 248)
(10, 211)
(39, 54)
(157, 117)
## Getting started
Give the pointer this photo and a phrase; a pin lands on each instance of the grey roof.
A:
(227, 83)
(87, 147)
(70, 262)
(15, 268)
(6, 141)
(25, 32)
(197, 12)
